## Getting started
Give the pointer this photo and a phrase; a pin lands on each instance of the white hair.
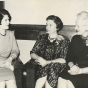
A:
(82, 15)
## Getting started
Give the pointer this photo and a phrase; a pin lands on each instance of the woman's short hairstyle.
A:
(83, 17)
(57, 21)
(4, 12)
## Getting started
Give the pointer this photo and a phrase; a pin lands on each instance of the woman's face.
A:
(50, 27)
(81, 27)
(5, 22)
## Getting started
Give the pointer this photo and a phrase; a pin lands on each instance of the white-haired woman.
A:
(77, 57)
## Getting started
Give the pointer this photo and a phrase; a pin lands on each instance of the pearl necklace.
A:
(51, 39)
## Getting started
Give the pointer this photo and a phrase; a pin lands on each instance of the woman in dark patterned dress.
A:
(50, 51)
(77, 57)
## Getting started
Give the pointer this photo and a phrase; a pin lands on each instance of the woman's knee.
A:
(62, 81)
(2, 84)
(40, 82)
(70, 84)
(47, 85)
(10, 83)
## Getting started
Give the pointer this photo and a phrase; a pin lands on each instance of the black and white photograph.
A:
(43, 43)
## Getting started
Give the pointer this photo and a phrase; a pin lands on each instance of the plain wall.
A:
(36, 11)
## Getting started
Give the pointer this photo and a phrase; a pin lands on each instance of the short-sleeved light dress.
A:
(50, 51)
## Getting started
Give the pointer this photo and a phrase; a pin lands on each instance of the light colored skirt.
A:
(6, 74)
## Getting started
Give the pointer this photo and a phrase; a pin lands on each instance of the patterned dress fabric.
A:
(51, 51)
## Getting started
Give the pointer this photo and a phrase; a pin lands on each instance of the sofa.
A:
(26, 37)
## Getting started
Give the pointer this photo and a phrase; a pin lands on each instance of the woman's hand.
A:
(41, 61)
(7, 63)
(74, 70)
(9, 60)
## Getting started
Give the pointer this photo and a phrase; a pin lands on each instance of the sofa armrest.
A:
(30, 70)
(18, 72)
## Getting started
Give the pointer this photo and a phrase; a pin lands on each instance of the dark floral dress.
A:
(50, 51)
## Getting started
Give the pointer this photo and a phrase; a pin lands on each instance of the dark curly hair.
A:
(4, 12)
(57, 21)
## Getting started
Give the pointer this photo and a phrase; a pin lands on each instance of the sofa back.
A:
(26, 37)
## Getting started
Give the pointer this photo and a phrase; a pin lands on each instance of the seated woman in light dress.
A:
(50, 51)
(77, 57)
(8, 51)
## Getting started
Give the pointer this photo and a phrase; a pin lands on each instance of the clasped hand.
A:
(41, 61)
(74, 70)
(6, 64)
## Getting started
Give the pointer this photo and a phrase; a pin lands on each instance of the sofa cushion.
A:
(25, 46)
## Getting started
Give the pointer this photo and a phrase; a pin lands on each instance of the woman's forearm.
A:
(14, 54)
(59, 60)
(34, 56)
(85, 70)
